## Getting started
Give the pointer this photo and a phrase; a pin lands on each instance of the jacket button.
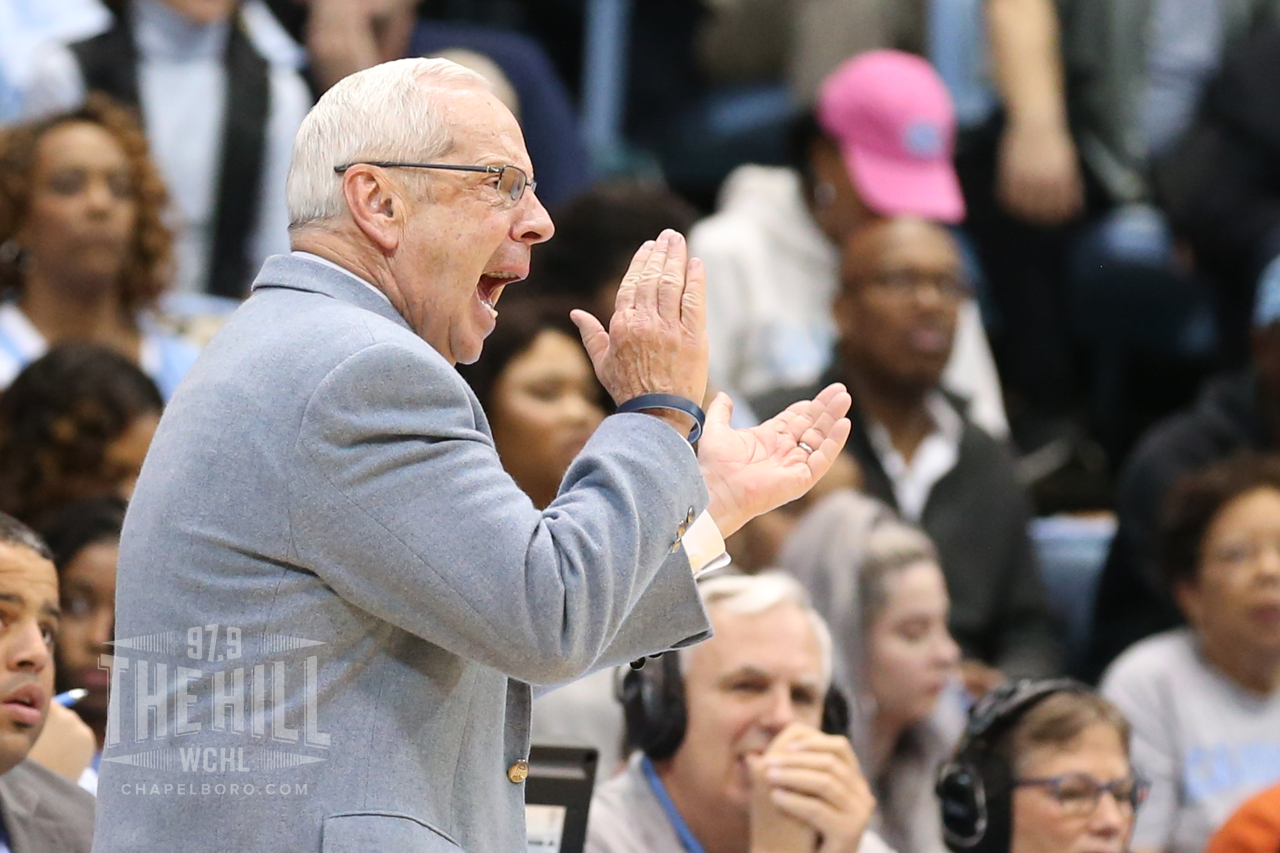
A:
(689, 518)
(518, 772)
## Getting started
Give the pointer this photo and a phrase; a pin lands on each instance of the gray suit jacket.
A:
(323, 519)
(44, 813)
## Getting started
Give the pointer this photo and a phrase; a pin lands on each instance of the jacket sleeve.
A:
(403, 508)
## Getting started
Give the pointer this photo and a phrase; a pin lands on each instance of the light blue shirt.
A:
(27, 27)
(164, 357)
(1184, 49)
(958, 50)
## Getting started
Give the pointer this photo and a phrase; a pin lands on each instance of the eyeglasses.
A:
(904, 284)
(512, 180)
(1079, 794)
(1242, 553)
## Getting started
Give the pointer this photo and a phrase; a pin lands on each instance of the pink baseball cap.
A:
(894, 121)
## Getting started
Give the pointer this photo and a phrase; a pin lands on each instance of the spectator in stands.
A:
(1204, 700)
(1043, 767)
(537, 386)
(343, 37)
(1136, 75)
(1221, 182)
(84, 539)
(83, 252)
(1239, 411)
(878, 145)
(75, 424)
(25, 27)
(902, 286)
(730, 754)
(878, 584)
(1254, 828)
(182, 64)
(40, 812)
(596, 235)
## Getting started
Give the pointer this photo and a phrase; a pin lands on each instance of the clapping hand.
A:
(656, 342)
(750, 471)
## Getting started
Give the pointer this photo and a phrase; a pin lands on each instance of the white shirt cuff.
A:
(704, 546)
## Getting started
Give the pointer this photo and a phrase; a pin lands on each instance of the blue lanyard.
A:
(687, 841)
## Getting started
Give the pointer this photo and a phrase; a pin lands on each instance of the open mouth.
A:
(490, 288)
(25, 705)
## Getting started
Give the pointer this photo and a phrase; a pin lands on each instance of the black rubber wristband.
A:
(669, 401)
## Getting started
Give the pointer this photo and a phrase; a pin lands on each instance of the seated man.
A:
(40, 812)
(730, 756)
(901, 291)
(877, 144)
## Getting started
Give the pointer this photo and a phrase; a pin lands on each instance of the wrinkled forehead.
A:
(482, 128)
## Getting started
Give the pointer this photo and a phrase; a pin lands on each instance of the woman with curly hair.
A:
(83, 252)
(74, 425)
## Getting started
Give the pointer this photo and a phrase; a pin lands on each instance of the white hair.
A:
(749, 595)
(386, 112)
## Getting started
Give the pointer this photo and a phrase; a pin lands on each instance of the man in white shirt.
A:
(902, 287)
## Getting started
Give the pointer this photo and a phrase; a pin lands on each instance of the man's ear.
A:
(1186, 594)
(377, 206)
(844, 311)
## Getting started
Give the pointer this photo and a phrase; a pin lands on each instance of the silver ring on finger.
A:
(806, 448)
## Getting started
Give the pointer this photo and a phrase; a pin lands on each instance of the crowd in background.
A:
(1038, 240)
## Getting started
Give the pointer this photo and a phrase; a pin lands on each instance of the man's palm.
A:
(751, 471)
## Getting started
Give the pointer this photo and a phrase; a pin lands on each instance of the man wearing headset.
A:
(1043, 767)
(740, 740)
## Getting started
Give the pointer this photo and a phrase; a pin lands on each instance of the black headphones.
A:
(652, 700)
(975, 788)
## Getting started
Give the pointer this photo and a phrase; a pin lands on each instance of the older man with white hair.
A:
(742, 742)
(332, 600)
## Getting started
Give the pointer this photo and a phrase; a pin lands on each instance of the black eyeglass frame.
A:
(521, 185)
(1137, 793)
(908, 283)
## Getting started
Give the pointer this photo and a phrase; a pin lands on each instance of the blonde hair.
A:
(386, 112)
(891, 547)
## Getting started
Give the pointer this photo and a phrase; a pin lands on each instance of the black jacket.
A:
(1132, 601)
(1221, 184)
(977, 516)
